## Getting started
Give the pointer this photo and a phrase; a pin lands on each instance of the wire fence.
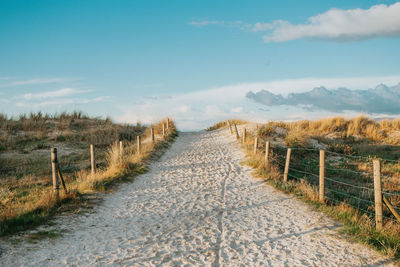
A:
(37, 165)
(348, 179)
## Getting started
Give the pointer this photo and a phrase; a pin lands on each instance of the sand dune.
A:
(197, 206)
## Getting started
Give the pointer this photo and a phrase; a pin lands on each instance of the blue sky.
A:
(142, 60)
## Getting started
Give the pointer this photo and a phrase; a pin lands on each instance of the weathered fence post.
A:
(267, 153)
(92, 160)
(163, 130)
(121, 149)
(229, 125)
(139, 144)
(152, 135)
(255, 145)
(236, 132)
(391, 208)
(286, 172)
(167, 124)
(322, 175)
(56, 186)
(244, 136)
(378, 194)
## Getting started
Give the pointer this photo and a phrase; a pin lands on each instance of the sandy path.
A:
(197, 206)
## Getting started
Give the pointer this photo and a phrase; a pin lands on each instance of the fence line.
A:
(54, 169)
(365, 192)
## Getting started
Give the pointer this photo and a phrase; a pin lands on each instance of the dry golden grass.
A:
(360, 127)
(310, 191)
(27, 200)
(296, 137)
(37, 130)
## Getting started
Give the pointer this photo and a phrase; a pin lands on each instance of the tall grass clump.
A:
(359, 127)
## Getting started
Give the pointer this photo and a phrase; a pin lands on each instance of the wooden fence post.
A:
(391, 208)
(229, 125)
(163, 130)
(92, 159)
(255, 145)
(378, 194)
(139, 144)
(56, 186)
(152, 135)
(121, 149)
(285, 174)
(236, 132)
(244, 136)
(322, 175)
(167, 124)
(267, 153)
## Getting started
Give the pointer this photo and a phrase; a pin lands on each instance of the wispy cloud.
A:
(61, 97)
(236, 24)
(54, 94)
(338, 25)
(41, 81)
(259, 27)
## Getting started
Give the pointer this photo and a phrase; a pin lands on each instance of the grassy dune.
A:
(26, 196)
(350, 146)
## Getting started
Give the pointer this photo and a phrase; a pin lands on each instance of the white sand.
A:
(197, 206)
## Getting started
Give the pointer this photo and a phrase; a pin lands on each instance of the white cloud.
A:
(212, 111)
(198, 110)
(183, 109)
(259, 27)
(235, 24)
(61, 97)
(53, 94)
(237, 110)
(338, 25)
(41, 81)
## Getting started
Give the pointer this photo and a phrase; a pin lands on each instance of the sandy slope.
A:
(197, 206)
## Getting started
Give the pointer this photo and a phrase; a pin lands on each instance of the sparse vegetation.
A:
(350, 146)
(26, 196)
(358, 129)
(222, 124)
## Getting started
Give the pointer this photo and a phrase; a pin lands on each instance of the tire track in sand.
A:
(221, 214)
